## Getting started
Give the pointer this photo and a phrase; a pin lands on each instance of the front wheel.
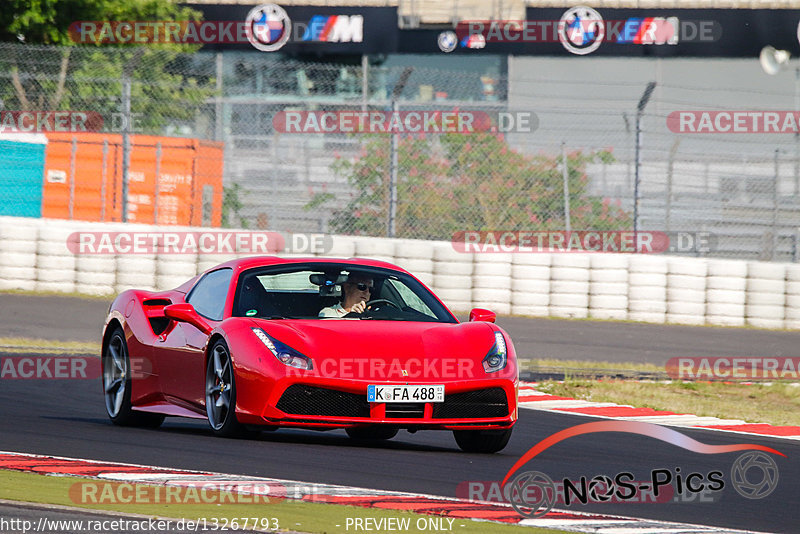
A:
(221, 392)
(482, 441)
(117, 385)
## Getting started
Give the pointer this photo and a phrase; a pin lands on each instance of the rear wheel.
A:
(371, 433)
(117, 385)
(221, 393)
(483, 441)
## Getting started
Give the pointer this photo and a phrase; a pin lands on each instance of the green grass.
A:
(291, 515)
(544, 365)
(24, 344)
(776, 403)
(74, 295)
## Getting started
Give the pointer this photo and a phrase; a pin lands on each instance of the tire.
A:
(371, 433)
(117, 385)
(530, 272)
(482, 441)
(220, 379)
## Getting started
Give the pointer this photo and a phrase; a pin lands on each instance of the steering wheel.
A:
(378, 302)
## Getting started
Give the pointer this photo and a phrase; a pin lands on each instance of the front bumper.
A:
(324, 404)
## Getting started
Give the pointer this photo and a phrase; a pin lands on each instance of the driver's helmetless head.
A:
(357, 288)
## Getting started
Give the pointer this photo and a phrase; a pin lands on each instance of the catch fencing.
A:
(573, 165)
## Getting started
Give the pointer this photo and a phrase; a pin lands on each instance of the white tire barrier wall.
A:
(375, 248)
(792, 319)
(726, 286)
(647, 288)
(491, 282)
(452, 277)
(55, 263)
(19, 238)
(530, 284)
(766, 294)
(608, 286)
(686, 290)
(569, 285)
(34, 256)
(416, 257)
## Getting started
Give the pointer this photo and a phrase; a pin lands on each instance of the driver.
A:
(355, 294)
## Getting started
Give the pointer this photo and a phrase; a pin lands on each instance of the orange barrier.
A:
(83, 179)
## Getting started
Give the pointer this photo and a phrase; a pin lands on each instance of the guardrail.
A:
(653, 288)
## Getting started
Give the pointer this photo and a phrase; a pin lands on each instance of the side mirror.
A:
(480, 314)
(186, 313)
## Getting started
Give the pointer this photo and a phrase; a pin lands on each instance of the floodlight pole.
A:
(648, 91)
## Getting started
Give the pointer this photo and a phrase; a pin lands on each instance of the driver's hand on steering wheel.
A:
(358, 307)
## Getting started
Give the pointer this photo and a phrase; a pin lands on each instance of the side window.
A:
(208, 296)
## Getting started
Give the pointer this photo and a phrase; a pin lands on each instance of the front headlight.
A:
(497, 358)
(284, 353)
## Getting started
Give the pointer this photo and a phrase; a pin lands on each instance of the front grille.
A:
(490, 402)
(403, 410)
(308, 400)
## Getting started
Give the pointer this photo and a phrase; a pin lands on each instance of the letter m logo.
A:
(347, 29)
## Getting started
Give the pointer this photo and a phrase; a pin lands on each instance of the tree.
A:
(467, 182)
(89, 77)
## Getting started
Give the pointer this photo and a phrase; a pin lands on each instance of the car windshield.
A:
(319, 291)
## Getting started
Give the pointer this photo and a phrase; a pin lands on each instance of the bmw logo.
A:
(268, 27)
(447, 41)
(581, 30)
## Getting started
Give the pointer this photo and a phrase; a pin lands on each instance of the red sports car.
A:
(267, 342)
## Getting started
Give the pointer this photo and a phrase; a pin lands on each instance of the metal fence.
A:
(741, 188)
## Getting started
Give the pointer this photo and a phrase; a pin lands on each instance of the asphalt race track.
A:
(82, 319)
(67, 418)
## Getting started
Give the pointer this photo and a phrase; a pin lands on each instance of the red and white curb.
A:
(344, 495)
(530, 397)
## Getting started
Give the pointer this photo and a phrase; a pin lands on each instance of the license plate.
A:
(405, 393)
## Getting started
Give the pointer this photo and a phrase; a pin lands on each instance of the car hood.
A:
(392, 350)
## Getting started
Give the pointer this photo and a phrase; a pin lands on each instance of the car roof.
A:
(264, 261)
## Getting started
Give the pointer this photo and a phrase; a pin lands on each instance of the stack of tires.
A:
(491, 282)
(95, 274)
(766, 294)
(647, 288)
(416, 257)
(342, 246)
(725, 292)
(18, 245)
(452, 276)
(530, 284)
(792, 297)
(686, 290)
(206, 261)
(375, 248)
(608, 286)
(569, 285)
(136, 271)
(55, 262)
(174, 268)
